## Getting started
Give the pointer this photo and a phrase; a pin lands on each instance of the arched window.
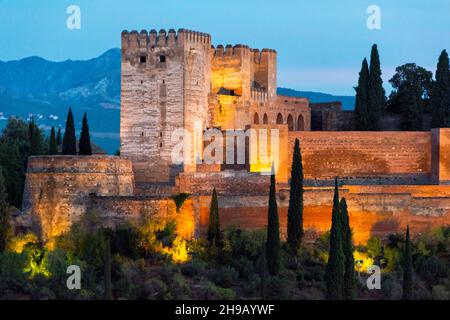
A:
(290, 123)
(279, 119)
(256, 118)
(265, 119)
(300, 123)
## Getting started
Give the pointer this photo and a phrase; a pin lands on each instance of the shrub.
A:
(12, 275)
(431, 268)
(439, 292)
(374, 247)
(179, 199)
(225, 276)
(194, 268)
(279, 288)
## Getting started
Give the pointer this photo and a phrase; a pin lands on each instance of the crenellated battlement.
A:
(231, 51)
(172, 38)
(261, 56)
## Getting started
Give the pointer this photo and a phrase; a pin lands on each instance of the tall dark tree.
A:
(5, 226)
(36, 139)
(411, 109)
(59, 137)
(14, 153)
(108, 264)
(69, 146)
(376, 94)
(85, 139)
(295, 210)
(273, 232)
(440, 94)
(349, 273)
(13, 171)
(52, 147)
(214, 235)
(407, 269)
(412, 86)
(362, 117)
(334, 274)
(31, 128)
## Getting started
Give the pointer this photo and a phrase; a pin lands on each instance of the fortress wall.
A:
(225, 182)
(373, 210)
(441, 156)
(115, 211)
(364, 154)
(57, 189)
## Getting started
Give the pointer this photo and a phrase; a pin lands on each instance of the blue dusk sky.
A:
(320, 43)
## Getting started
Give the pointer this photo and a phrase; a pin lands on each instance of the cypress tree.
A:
(52, 147)
(108, 263)
(407, 269)
(334, 275)
(69, 140)
(440, 97)
(31, 127)
(349, 273)
(273, 232)
(59, 138)
(295, 210)
(85, 139)
(5, 226)
(214, 224)
(37, 141)
(376, 94)
(362, 118)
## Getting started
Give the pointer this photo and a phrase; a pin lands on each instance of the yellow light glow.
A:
(18, 244)
(178, 251)
(362, 261)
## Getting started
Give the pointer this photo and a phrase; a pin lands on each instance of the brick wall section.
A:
(225, 182)
(373, 210)
(441, 156)
(116, 211)
(363, 154)
(57, 189)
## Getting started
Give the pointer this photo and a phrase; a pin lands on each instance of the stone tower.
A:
(165, 87)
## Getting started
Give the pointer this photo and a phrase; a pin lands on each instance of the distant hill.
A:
(45, 89)
(348, 102)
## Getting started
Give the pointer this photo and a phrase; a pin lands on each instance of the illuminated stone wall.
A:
(135, 210)
(373, 210)
(57, 189)
(352, 154)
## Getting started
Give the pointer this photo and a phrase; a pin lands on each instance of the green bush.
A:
(193, 268)
(225, 276)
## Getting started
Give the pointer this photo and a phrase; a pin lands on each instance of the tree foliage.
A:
(376, 94)
(349, 273)
(440, 95)
(334, 275)
(85, 148)
(295, 210)
(407, 293)
(362, 117)
(412, 86)
(53, 147)
(69, 140)
(214, 223)
(273, 232)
